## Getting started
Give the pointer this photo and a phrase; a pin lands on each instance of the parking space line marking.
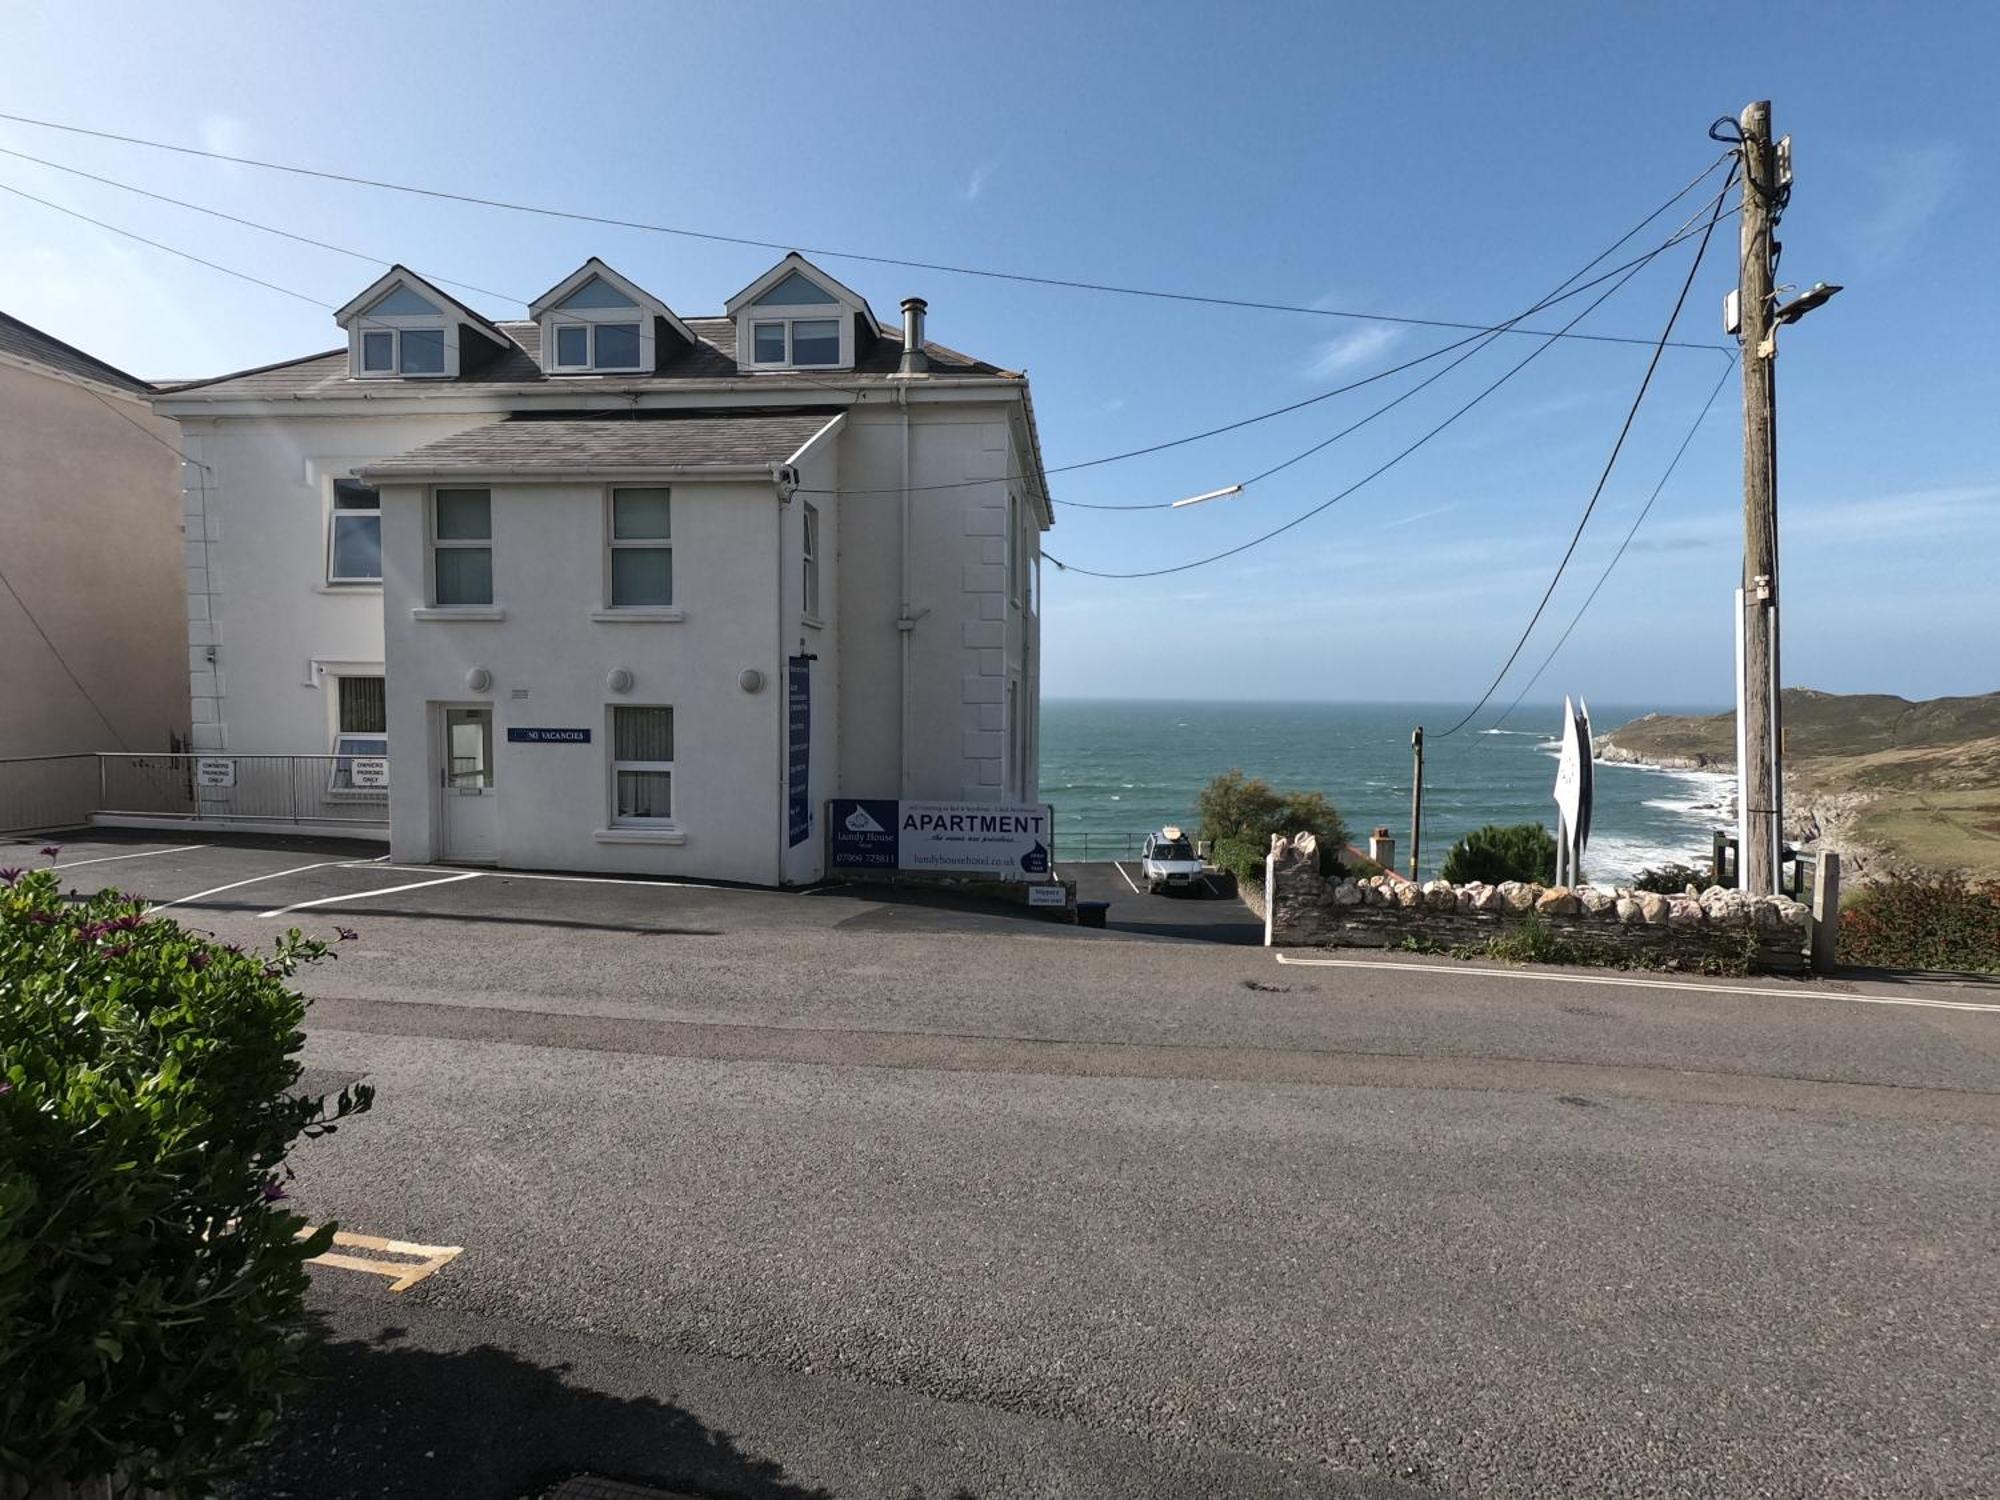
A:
(503, 874)
(414, 885)
(1128, 879)
(105, 859)
(1765, 992)
(402, 1275)
(325, 864)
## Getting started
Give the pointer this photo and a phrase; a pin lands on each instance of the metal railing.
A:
(304, 791)
(1082, 848)
(221, 788)
(47, 791)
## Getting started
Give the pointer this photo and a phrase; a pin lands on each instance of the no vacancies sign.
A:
(984, 838)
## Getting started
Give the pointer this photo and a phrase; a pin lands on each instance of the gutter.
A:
(557, 395)
(391, 475)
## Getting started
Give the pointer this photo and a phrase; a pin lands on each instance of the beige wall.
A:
(90, 512)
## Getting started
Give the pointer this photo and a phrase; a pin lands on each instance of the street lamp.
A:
(1818, 295)
(1221, 494)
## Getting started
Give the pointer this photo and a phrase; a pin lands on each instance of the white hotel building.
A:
(576, 577)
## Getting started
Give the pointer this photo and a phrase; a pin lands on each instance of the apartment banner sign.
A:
(978, 838)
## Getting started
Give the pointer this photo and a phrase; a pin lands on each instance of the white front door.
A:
(467, 810)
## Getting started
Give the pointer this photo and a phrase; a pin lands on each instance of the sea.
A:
(1116, 770)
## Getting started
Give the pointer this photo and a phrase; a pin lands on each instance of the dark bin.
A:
(1091, 913)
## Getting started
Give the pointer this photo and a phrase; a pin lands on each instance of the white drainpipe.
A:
(904, 624)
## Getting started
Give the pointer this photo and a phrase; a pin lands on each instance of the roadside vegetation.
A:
(1671, 880)
(1238, 814)
(1921, 920)
(1494, 854)
(152, 1283)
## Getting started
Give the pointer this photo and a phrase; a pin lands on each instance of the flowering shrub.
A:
(151, 1285)
(1917, 920)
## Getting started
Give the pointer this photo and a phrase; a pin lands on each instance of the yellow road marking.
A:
(420, 1261)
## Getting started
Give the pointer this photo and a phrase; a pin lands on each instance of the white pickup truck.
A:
(1169, 862)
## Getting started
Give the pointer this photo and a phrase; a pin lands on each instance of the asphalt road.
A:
(779, 1195)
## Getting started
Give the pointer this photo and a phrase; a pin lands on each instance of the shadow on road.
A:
(385, 1418)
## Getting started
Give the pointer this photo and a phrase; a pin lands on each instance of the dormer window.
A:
(402, 327)
(596, 328)
(795, 341)
(594, 321)
(796, 317)
(402, 335)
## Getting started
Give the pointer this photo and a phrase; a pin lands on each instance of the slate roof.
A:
(594, 444)
(25, 341)
(712, 357)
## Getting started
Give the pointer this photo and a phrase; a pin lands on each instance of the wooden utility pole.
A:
(1416, 799)
(1760, 775)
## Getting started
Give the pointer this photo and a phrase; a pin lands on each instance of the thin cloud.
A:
(1353, 348)
(1908, 186)
(976, 183)
(227, 135)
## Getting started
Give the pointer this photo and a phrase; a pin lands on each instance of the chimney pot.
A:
(914, 361)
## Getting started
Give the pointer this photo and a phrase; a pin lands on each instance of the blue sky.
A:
(1436, 161)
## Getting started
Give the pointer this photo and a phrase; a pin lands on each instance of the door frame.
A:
(438, 773)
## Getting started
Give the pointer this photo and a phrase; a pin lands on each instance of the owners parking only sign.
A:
(979, 838)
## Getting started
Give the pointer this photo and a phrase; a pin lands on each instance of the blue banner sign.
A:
(977, 838)
(548, 736)
(798, 749)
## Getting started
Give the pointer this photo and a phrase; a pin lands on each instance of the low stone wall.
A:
(1308, 910)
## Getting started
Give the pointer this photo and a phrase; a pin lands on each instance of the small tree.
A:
(1524, 851)
(1238, 814)
(151, 1285)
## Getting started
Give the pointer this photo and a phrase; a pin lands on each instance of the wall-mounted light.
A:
(478, 680)
(619, 680)
(751, 680)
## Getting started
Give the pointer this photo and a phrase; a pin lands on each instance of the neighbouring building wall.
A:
(90, 538)
(258, 499)
(550, 663)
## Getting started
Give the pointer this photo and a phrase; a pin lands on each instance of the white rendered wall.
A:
(257, 591)
(549, 663)
(967, 638)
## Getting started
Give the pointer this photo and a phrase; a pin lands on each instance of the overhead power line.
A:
(1340, 390)
(1368, 478)
(1604, 476)
(1638, 521)
(1026, 278)
(1562, 293)
(169, 249)
(285, 234)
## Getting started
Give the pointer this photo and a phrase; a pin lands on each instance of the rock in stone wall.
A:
(1308, 910)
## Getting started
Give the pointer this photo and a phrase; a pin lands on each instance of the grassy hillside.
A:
(1879, 777)
(1820, 724)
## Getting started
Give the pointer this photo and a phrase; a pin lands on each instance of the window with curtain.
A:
(642, 765)
(642, 549)
(462, 547)
(360, 728)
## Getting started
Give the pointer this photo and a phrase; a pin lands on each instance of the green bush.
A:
(151, 1287)
(1919, 920)
(1524, 851)
(1244, 811)
(1671, 880)
(1242, 857)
